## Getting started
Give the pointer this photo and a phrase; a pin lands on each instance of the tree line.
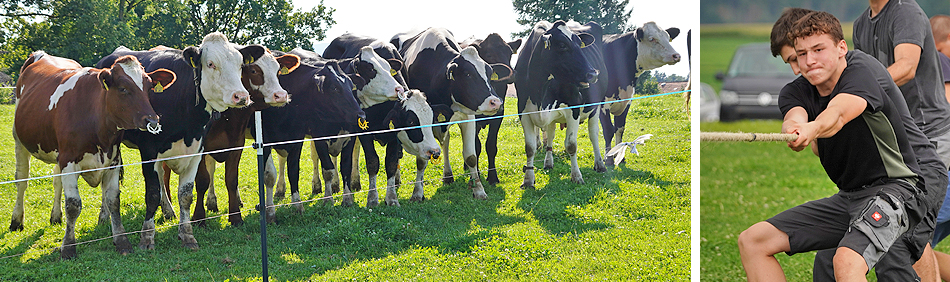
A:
(767, 11)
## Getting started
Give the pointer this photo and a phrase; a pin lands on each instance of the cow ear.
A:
(515, 45)
(639, 34)
(161, 79)
(673, 32)
(251, 53)
(547, 41)
(193, 56)
(451, 68)
(586, 39)
(288, 63)
(394, 65)
(501, 73)
(105, 76)
(358, 80)
(441, 113)
(393, 118)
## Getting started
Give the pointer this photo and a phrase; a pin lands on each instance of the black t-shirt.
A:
(874, 145)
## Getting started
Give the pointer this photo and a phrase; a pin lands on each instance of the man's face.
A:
(790, 58)
(943, 45)
(818, 57)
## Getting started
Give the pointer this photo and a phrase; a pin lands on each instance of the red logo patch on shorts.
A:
(876, 216)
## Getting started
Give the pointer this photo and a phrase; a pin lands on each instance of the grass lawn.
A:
(630, 223)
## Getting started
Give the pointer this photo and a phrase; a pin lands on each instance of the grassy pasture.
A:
(630, 223)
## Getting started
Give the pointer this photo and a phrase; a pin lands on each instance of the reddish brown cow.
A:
(74, 117)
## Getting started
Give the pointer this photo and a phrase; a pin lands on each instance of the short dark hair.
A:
(782, 26)
(815, 23)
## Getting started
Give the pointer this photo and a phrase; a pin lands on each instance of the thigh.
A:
(815, 225)
(879, 220)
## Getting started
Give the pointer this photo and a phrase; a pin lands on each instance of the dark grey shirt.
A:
(944, 66)
(902, 21)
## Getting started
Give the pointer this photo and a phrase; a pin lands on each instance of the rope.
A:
(763, 137)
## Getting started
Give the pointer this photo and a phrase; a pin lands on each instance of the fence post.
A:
(260, 191)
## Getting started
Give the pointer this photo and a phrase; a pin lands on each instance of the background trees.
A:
(610, 14)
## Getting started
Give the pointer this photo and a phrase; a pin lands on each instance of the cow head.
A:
(220, 66)
(260, 78)
(653, 46)
(469, 78)
(375, 78)
(336, 97)
(494, 50)
(389, 52)
(126, 87)
(561, 49)
(414, 111)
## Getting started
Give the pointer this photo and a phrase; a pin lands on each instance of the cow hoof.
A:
(236, 222)
(68, 252)
(372, 204)
(493, 178)
(328, 202)
(212, 206)
(191, 246)
(150, 246)
(548, 165)
(55, 220)
(199, 223)
(122, 246)
(393, 203)
(298, 208)
(278, 195)
(448, 180)
(16, 226)
(600, 168)
(103, 217)
(578, 180)
(480, 195)
(335, 187)
(417, 199)
(347, 203)
(170, 215)
(609, 161)
(271, 218)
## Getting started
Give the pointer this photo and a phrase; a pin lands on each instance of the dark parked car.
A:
(751, 85)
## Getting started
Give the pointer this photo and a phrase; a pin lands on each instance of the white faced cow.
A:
(554, 73)
(459, 79)
(185, 109)
(74, 117)
(627, 56)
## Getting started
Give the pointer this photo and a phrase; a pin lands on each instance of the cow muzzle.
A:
(278, 99)
(241, 99)
(152, 125)
(435, 155)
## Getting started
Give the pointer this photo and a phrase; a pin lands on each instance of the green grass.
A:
(630, 223)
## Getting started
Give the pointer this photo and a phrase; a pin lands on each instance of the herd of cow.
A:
(169, 103)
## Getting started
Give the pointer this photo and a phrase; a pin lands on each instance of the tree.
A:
(87, 30)
(646, 84)
(610, 14)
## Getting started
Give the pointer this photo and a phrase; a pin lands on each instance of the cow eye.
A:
(123, 90)
(211, 65)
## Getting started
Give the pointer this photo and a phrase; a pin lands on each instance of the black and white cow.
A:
(209, 78)
(553, 72)
(323, 105)
(627, 56)
(457, 78)
(494, 50)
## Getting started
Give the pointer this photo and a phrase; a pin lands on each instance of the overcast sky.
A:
(383, 19)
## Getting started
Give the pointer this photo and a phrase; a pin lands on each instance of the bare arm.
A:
(906, 58)
(946, 87)
(841, 110)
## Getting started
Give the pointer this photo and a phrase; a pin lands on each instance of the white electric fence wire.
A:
(289, 142)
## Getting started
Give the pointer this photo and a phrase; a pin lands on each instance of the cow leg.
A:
(110, 191)
(393, 154)
(594, 135)
(608, 129)
(56, 216)
(418, 194)
(202, 181)
(471, 161)
(186, 183)
(355, 165)
(346, 172)
(23, 172)
(323, 152)
(269, 210)
(372, 169)
(73, 209)
(491, 147)
(152, 200)
(550, 131)
(446, 165)
(231, 184)
(164, 174)
(293, 175)
(280, 187)
(570, 145)
(621, 122)
(212, 201)
(316, 186)
(530, 148)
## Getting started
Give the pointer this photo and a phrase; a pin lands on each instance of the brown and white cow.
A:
(74, 117)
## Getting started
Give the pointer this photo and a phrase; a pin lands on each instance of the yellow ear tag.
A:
(158, 88)
(392, 72)
(583, 45)
(451, 77)
(192, 61)
(391, 126)
(547, 44)
(105, 86)
(441, 118)
(494, 76)
(354, 87)
(550, 77)
(283, 71)
(248, 61)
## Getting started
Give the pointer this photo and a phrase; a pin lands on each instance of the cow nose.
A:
(152, 125)
(435, 154)
(494, 103)
(241, 98)
(280, 97)
(400, 92)
(592, 76)
(676, 57)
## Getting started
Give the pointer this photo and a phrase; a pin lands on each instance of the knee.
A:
(758, 238)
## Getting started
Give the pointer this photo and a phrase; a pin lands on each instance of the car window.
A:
(757, 61)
